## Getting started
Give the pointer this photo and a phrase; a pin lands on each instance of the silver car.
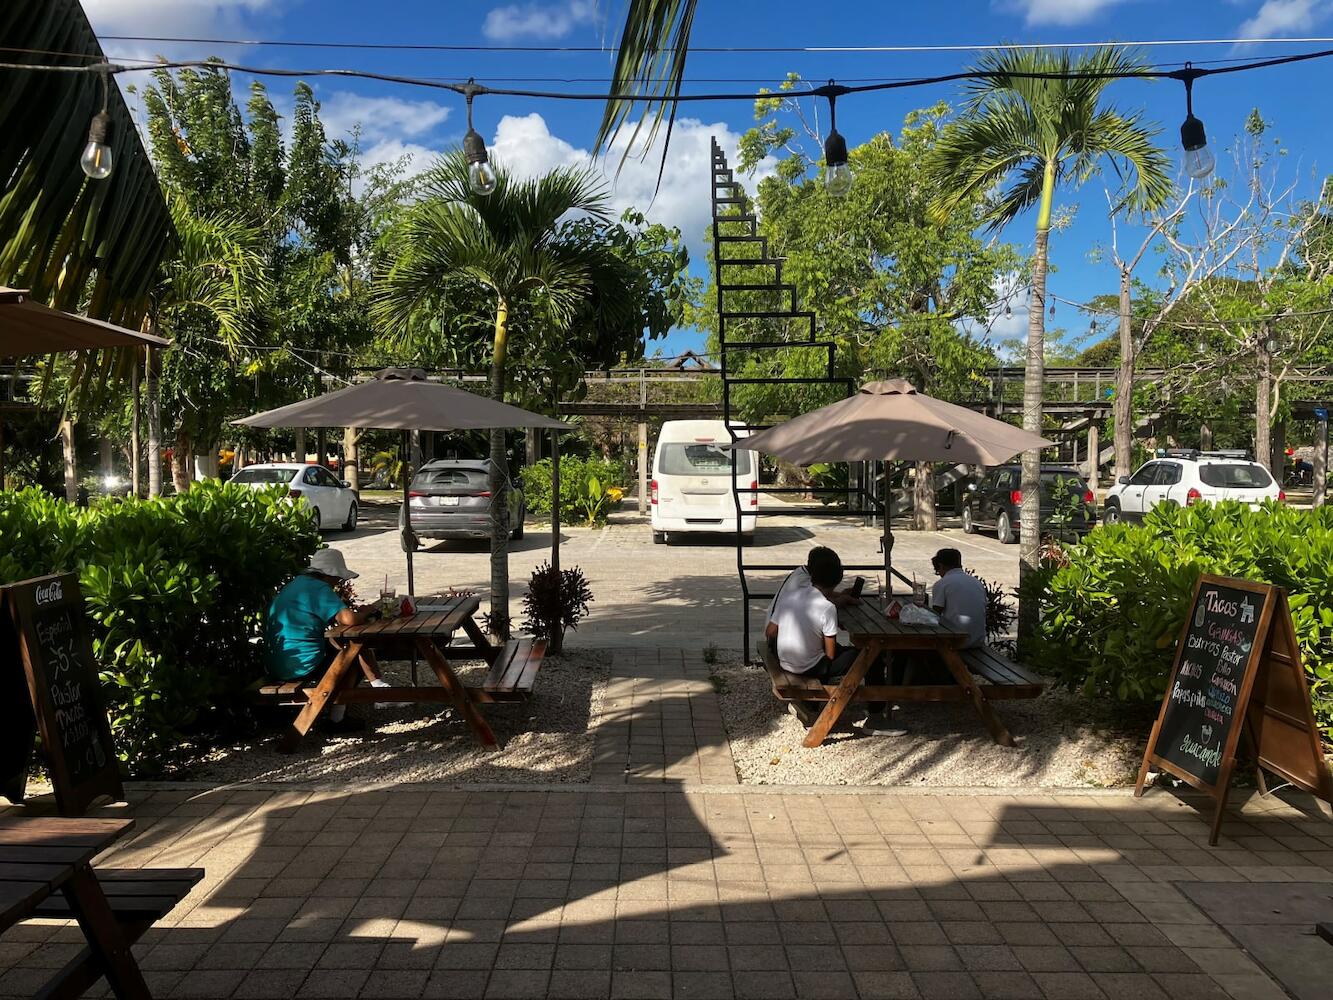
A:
(451, 498)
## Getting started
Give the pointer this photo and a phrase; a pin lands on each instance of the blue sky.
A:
(531, 135)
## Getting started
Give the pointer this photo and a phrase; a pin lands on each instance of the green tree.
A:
(510, 245)
(1036, 131)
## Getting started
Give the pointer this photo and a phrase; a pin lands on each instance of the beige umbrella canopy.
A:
(28, 327)
(890, 421)
(402, 399)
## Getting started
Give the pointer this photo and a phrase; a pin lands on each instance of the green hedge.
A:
(574, 475)
(175, 587)
(1111, 613)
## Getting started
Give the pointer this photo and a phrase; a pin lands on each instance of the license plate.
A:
(448, 501)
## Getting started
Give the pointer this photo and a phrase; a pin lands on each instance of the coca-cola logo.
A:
(49, 593)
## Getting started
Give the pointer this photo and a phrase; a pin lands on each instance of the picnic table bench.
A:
(513, 667)
(873, 634)
(46, 871)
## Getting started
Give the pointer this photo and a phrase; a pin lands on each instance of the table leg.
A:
(980, 702)
(106, 941)
(479, 640)
(834, 707)
(335, 679)
(450, 682)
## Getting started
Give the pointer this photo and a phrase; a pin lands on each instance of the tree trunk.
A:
(351, 469)
(299, 455)
(1122, 406)
(1263, 406)
(643, 469)
(1278, 450)
(136, 442)
(499, 484)
(153, 416)
(1094, 457)
(1320, 461)
(557, 636)
(70, 460)
(923, 497)
(181, 460)
(1034, 378)
(321, 445)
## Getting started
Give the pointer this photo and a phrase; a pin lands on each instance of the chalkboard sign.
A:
(56, 652)
(1237, 673)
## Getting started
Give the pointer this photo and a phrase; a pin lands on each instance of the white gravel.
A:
(1064, 741)
(547, 739)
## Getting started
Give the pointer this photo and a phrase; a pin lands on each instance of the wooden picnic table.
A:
(42, 856)
(425, 634)
(874, 634)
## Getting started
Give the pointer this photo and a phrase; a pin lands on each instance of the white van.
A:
(691, 487)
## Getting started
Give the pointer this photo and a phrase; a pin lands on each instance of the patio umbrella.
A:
(890, 421)
(28, 327)
(401, 399)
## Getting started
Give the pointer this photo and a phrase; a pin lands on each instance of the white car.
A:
(1186, 478)
(332, 500)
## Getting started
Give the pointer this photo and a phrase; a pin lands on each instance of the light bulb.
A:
(838, 180)
(1198, 159)
(481, 178)
(96, 158)
(837, 174)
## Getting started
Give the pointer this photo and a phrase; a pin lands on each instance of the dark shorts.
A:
(830, 671)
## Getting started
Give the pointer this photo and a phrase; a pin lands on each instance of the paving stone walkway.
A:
(644, 891)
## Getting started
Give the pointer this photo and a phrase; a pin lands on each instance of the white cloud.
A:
(1284, 17)
(170, 17)
(1060, 12)
(538, 20)
(526, 147)
(379, 117)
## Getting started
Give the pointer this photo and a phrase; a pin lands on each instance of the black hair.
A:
(824, 566)
(947, 559)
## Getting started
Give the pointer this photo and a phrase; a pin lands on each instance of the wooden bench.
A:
(1003, 677)
(510, 678)
(138, 898)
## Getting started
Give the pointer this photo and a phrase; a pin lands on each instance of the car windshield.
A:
(465, 478)
(1246, 477)
(263, 477)
(680, 459)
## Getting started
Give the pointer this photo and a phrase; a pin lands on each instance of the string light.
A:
(1198, 160)
(481, 175)
(96, 160)
(837, 174)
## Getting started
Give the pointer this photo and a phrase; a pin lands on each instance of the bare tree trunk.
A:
(136, 444)
(1122, 406)
(1034, 378)
(923, 497)
(351, 470)
(70, 460)
(299, 456)
(321, 445)
(153, 413)
(1094, 457)
(557, 636)
(1263, 406)
(181, 462)
(499, 484)
(1320, 462)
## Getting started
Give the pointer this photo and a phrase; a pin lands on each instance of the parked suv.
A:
(995, 501)
(451, 498)
(1187, 477)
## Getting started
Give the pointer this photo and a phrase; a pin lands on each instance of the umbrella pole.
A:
(887, 540)
(407, 520)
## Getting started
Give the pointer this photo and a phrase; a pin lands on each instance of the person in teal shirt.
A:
(294, 643)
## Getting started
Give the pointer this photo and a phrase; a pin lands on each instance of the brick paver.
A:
(640, 890)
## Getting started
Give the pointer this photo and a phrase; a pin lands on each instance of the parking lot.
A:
(683, 595)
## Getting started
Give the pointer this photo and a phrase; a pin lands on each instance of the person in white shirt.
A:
(959, 598)
(803, 629)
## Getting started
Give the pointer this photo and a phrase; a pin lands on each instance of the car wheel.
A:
(1003, 531)
(659, 537)
(1111, 514)
(352, 517)
(968, 527)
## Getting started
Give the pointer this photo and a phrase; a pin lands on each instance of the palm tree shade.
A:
(1017, 140)
(508, 242)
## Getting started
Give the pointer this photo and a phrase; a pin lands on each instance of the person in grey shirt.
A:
(959, 598)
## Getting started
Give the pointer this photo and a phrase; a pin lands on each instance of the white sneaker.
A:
(881, 725)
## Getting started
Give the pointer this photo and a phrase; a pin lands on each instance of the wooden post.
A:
(643, 468)
(135, 444)
(1094, 455)
(70, 462)
(1320, 458)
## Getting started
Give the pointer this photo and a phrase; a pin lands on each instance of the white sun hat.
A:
(330, 562)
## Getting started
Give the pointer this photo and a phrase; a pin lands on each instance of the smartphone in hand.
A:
(858, 585)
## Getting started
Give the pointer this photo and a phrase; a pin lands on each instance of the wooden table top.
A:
(39, 853)
(865, 621)
(423, 623)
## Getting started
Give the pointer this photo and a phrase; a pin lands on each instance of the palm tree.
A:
(509, 243)
(1035, 119)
